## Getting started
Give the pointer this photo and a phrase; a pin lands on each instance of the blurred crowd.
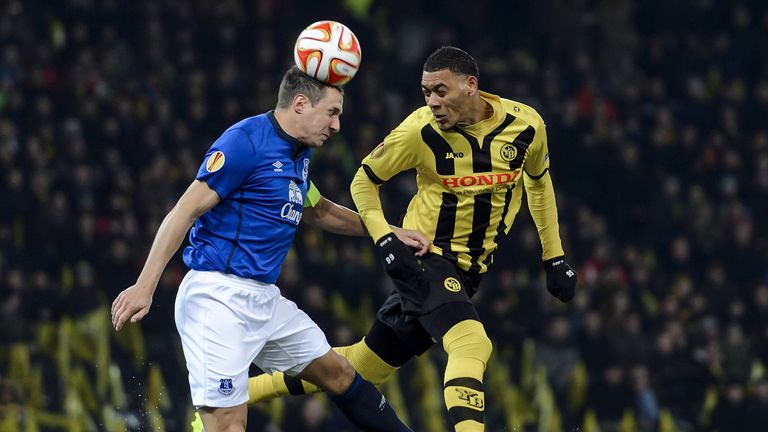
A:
(657, 115)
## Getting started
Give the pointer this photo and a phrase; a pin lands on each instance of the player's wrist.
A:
(552, 263)
(387, 241)
(147, 285)
(378, 233)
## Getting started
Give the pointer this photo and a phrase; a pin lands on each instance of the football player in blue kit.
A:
(250, 195)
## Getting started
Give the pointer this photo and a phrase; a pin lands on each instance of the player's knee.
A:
(468, 339)
(340, 375)
(223, 419)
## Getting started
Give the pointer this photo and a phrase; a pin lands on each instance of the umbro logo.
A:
(278, 166)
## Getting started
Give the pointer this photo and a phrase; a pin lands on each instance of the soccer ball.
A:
(328, 51)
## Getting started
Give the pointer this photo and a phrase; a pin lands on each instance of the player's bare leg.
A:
(362, 358)
(224, 419)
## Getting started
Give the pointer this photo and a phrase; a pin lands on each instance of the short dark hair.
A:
(454, 59)
(297, 82)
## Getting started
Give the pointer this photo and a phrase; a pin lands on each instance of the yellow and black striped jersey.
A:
(468, 179)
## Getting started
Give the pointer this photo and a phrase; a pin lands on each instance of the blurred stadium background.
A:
(658, 127)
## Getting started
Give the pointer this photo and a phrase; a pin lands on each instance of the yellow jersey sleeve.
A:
(398, 152)
(365, 194)
(538, 157)
(541, 196)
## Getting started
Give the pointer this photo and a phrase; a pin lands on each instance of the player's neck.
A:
(288, 123)
(480, 110)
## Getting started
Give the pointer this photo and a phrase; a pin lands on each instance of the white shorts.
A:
(227, 322)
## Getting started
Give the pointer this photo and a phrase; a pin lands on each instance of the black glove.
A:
(407, 273)
(561, 278)
(399, 260)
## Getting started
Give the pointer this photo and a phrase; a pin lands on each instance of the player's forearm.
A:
(169, 237)
(196, 200)
(543, 208)
(335, 218)
(365, 193)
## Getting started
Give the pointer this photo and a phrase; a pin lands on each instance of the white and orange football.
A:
(328, 51)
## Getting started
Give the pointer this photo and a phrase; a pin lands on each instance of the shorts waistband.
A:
(231, 279)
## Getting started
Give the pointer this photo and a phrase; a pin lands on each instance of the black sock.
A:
(367, 408)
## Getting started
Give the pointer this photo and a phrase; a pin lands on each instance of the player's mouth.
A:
(440, 117)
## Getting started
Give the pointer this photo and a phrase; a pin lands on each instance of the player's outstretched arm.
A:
(133, 303)
(338, 219)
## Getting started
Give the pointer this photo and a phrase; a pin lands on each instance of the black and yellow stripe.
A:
(467, 228)
(468, 178)
(465, 399)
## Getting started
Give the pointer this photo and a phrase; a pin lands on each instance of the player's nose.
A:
(433, 101)
(335, 125)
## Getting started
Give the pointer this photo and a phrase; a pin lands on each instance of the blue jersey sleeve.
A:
(228, 162)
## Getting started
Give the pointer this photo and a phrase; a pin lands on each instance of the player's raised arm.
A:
(561, 279)
(133, 303)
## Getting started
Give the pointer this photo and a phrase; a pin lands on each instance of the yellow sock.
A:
(468, 349)
(370, 366)
(265, 386)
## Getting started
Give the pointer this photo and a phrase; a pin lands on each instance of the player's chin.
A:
(443, 123)
(318, 142)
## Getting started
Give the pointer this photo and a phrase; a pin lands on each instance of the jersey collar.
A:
(280, 132)
(491, 122)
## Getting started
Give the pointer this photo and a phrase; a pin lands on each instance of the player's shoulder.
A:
(523, 111)
(250, 130)
(419, 118)
(251, 125)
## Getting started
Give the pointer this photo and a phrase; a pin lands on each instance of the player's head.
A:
(449, 83)
(312, 107)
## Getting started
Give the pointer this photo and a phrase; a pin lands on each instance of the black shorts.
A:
(448, 302)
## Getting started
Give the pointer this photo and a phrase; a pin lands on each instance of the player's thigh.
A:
(448, 301)
(224, 419)
(296, 341)
(221, 330)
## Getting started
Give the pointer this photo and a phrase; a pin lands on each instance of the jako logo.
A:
(454, 155)
(481, 179)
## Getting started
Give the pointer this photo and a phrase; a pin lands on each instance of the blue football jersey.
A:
(260, 173)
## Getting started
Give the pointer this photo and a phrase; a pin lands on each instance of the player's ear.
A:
(471, 85)
(299, 103)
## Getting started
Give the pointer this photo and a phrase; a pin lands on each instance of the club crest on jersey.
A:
(305, 169)
(215, 162)
(225, 386)
(452, 284)
(295, 198)
(294, 193)
(508, 152)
